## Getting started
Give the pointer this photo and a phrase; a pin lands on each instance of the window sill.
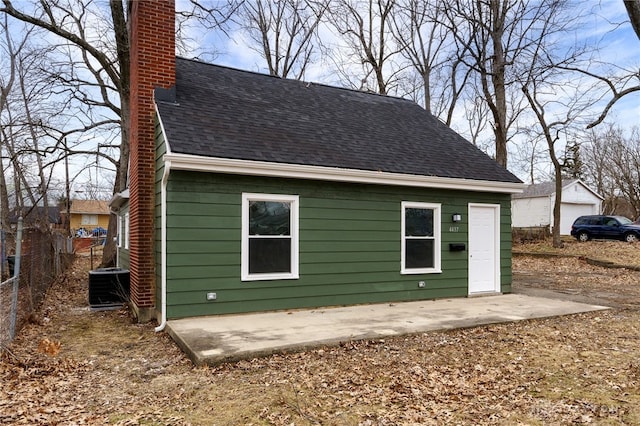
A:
(420, 271)
(269, 277)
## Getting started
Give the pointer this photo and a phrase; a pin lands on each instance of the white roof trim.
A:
(298, 171)
(585, 186)
(564, 187)
(119, 199)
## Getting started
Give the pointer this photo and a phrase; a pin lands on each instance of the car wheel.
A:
(583, 236)
(631, 238)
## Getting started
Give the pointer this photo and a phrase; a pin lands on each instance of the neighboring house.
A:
(534, 206)
(33, 215)
(266, 193)
(89, 214)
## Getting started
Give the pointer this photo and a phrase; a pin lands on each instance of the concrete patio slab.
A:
(213, 340)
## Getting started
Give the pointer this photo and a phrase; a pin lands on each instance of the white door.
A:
(484, 248)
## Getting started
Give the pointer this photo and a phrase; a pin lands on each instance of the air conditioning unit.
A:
(108, 288)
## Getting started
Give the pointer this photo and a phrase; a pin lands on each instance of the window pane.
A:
(419, 253)
(418, 222)
(268, 255)
(89, 219)
(269, 218)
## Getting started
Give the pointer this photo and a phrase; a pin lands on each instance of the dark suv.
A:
(602, 226)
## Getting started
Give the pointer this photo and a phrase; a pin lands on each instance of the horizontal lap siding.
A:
(349, 245)
(505, 248)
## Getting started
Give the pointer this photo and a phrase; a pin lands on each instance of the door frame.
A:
(496, 254)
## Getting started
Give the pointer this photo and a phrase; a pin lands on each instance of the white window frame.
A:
(126, 230)
(120, 231)
(88, 219)
(437, 245)
(294, 230)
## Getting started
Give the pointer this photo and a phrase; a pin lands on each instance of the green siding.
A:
(349, 244)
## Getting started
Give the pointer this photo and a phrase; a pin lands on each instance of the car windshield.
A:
(623, 220)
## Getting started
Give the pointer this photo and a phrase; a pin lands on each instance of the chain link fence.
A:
(32, 264)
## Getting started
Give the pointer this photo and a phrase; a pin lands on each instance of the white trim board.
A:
(197, 163)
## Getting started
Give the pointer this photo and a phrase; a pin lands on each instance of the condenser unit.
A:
(108, 287)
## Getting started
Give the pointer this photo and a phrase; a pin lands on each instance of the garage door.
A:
(570, 212)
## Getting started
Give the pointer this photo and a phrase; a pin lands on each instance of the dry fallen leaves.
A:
(49, 347)
(79, 367)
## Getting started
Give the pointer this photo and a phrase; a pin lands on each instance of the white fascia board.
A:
(119, 199)
(297, 171)
(585, 186)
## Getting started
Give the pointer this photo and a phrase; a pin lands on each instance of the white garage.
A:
(534, 206)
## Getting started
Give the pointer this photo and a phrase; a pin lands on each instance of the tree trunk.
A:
(498, 82)
(120, 184)
(4, 196)
(557, 205)
(121, 32)
(633, 10)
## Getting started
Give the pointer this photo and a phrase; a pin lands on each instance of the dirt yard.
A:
(71, 366)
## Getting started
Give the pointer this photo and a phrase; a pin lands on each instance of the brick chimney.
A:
(153, 64)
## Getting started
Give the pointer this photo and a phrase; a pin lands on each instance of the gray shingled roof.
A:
(229, 113)
(544, 189)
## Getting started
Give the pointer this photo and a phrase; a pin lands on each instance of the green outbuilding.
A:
(280, 194)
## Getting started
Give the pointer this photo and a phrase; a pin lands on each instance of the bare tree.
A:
(476, 113)
(96, 41)
(105, 56)
(633, 10)
(197, 19)
(429, 46)
(283, 33)
(559, 101)
(619, 81)
(365, 27)
(617, 178)
(11, 49)
(619, 85)
(499, 38)
(531, 158)
(25, 108)
(550, 130)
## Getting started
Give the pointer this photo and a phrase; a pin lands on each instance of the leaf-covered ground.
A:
(72, 366)
(568, 272)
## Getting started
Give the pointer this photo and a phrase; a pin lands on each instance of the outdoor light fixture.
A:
(457, 217)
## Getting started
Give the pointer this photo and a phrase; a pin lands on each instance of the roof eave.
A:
(119, 199)
(197, 163)
(585, 186)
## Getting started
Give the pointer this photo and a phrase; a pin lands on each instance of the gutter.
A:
(163, 247)
(198, 163)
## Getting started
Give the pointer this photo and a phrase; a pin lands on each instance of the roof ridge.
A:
(308, 83)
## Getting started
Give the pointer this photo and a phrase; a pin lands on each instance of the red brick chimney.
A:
(153, 64)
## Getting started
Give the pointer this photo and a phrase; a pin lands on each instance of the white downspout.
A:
(163, 246)
(115, 237)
